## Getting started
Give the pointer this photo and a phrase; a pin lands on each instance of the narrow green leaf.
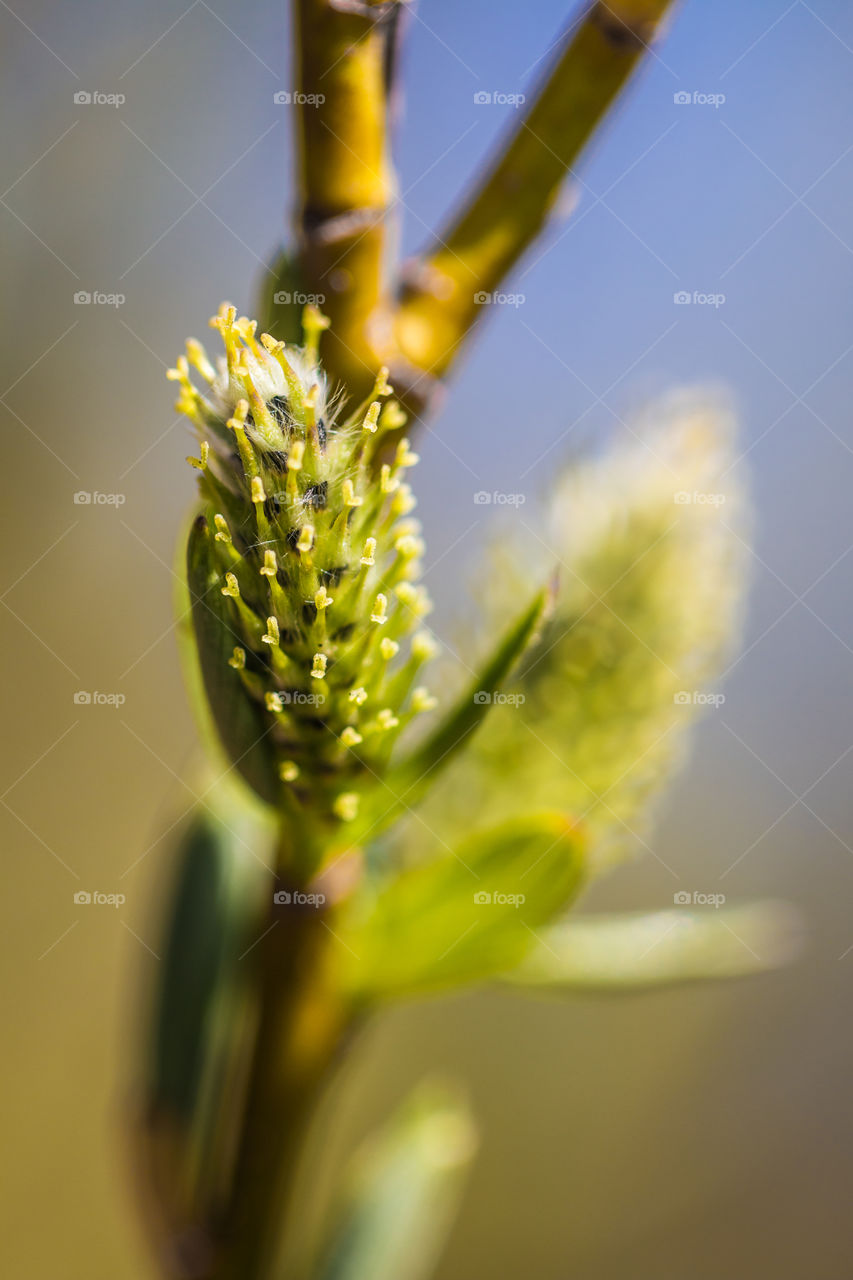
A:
(407, 782)
(200, 1025)
(211, 902)
(463, 916)
(240, 722)
(405, 1187)
(629, 952)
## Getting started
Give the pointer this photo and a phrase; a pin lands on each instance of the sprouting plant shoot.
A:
(303, 568)
(397, 829)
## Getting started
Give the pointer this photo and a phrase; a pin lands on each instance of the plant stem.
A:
(347, 184)
(302, 1027)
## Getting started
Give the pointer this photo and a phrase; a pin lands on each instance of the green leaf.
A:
(210, 904)
(407, 782)
(405, 1187)
(240, 722)
(199, 1031)
(462, 916)
(630, 952)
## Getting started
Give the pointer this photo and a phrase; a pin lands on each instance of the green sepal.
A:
(463, 916)
(637, 950)
(242, 726)
(404, 1188)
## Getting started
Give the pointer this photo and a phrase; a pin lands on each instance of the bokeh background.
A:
(697, 1133)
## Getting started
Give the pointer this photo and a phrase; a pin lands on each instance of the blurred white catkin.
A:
(649, 539)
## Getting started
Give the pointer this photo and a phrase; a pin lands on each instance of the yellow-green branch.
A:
(509, 207)
(346, 181)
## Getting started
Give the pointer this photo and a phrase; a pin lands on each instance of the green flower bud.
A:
(302, 568)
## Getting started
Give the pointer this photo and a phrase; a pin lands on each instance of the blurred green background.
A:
(697, 1133)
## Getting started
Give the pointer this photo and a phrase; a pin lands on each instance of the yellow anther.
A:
(358, 696)
(346, 806)
(369, 552)
(388, 649)
(223, 533)
(371, 418)
(322, 599)
(232, 586)
(313, 324)
(271, 344)
(387, 482)
(318, 670)
(379, 615)
(408, 528)
(414, 598)
(350, 500)
(386, 719)
(273, 702)
(246, 328)
(237, 659)
(404, 456)
(403, 501)
(197, 357)
(188, 402)
(423, 700)
(306, 538)
(270, 565)
(423, 646)
(382, 387)
(241, 412)
(295, 392)
(351, 737)
(288, 770)
(181, 371)
(393, 416)
(410, 548)
(297, 453)
(201, 463)
(258, 491)
(311, 404)
(224, 318)
(271, 635)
